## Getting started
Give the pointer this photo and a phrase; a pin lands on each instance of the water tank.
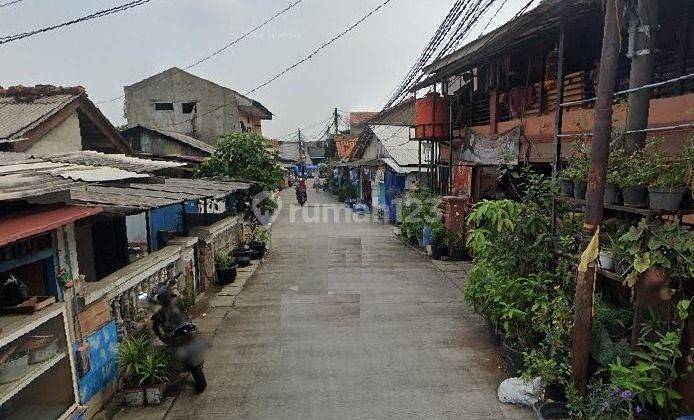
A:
(431, 116)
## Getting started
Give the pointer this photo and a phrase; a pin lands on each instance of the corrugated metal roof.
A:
(182, 138)
(22, 175)
(17, 116)
(210, 188)
(32, 222)
(120, 199)
(396, 140)
(128, 163)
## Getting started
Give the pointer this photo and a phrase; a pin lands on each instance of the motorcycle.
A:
(177, 331)
(301, 196)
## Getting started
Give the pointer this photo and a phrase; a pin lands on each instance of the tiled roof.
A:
(357, 118)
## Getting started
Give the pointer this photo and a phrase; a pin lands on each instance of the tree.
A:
(244, 156)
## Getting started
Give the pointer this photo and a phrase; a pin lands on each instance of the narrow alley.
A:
(343, 321)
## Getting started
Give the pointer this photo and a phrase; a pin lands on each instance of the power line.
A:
(222, 49)
(102, 13)
(10, 3)
(293, 66)
(317, 50)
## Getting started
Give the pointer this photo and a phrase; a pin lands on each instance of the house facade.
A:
(180, 102)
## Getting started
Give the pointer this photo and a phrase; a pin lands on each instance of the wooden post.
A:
(596, 186)
(493, 111)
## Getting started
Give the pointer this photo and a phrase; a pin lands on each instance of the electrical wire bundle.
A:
(457, 24)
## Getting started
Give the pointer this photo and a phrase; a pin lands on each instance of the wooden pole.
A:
(585, 280)
(559, 112)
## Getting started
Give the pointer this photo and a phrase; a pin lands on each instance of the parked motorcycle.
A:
(177, 331)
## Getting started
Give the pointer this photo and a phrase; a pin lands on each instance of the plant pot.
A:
(611, 194)
(666, 198)
(513, 359)
(555, 391)
(227, 275)
(492, 332)
(635, 196)
(257, 249)
(458, 253)
(606, 260)
(134, 397)
(155, 394)
(566, 188)
(552, 410)
(437, 251)
(580, 187)
(14, 367)
(242, 256)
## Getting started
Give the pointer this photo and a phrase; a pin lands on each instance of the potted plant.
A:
(456, 245)
(153, 372)
(634, 174)
(669, 184)
(576, 171)
(615, 171)
(225, 267)
(261, 240)
(438, 245)
(131, 353)
(242, 255)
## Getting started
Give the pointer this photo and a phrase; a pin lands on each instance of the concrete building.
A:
(180, 102)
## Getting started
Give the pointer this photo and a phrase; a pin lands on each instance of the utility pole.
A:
(335, 116)
(643, 26)
(302, 161)
(602, 130)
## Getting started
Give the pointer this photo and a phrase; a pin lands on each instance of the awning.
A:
(43, 219)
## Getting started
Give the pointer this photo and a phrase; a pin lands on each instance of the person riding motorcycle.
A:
(301, 194)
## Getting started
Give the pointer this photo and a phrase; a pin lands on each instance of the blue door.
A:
(395, 186)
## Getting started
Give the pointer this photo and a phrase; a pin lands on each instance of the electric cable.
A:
(295, 65)
(101, 13)
(220, 50)
(10, 3)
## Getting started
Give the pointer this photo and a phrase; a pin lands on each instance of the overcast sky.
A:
(357, 73)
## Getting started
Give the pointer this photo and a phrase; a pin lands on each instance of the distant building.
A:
(180, 102)
(164, 144)
(45, 119)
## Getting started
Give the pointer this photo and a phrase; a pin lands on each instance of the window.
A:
(188, 107)
(163, 106)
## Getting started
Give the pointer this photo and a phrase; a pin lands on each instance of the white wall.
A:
(65, 137)
(136, 228)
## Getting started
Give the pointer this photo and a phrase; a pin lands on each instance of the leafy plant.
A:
(222, 260)
(577, 166)
(664, 245)
(131, 353)
(653, 371)
(244, 156)
(263, 235)
(438, 232)
(154, 368)
(268, 205)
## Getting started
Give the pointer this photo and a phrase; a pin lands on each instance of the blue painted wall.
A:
(169, 218)
(103, 353)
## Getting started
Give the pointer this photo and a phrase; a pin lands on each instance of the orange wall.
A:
(539, 130)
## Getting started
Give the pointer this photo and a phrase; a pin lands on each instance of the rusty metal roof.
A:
(539, 21)
(34, 221)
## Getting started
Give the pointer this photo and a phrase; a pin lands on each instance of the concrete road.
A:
(342, 321)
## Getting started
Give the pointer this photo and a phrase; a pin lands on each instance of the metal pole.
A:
(558, 112)
(335, 121)
(642, 29)
(450, 147)
(149, 234)
(585, 280)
